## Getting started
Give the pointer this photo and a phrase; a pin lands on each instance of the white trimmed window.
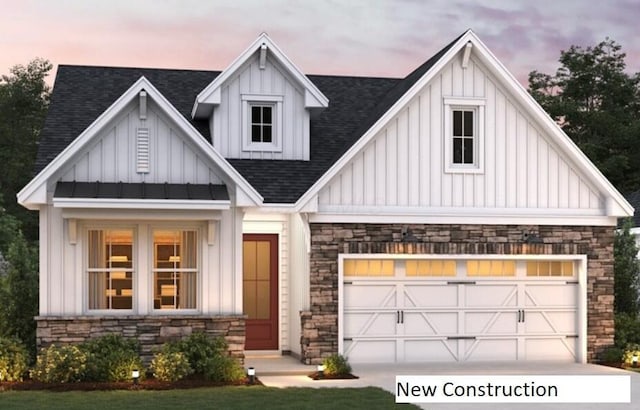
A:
(175, 269)
(464, 135)
(110, 269)
(164, 260)
(262, 123)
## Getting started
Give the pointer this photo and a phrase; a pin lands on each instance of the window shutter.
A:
(142, 151)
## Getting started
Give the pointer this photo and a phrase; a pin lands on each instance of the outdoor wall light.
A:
(320, 371)
(634, 360)
(251, 372)
(135, 375)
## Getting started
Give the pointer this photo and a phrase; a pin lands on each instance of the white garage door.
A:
(408, 310)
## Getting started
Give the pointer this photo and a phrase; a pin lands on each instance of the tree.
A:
(598, 105)
(9, 227)
(626, 271)
(19, 292)
(24, 100)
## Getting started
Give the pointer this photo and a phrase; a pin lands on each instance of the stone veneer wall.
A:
(150, 331)
(319, 337)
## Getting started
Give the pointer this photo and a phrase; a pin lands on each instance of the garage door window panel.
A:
(369, 267)
(433, 267)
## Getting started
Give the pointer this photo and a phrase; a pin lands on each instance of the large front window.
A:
(110, 269)
(175, 269)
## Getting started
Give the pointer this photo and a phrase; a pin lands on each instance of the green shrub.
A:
(612, 354)
(632, 349)
(336, 364)
(199, 348)
(112, 358)
(13, 360)
(224, 368)
(627, 329)
(208, 357)
(170, 366)
(61, 364)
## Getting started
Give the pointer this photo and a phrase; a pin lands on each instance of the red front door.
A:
(260, 291)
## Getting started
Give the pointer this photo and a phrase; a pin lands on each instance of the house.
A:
(438, 217)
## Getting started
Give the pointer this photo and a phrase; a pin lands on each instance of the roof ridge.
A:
(111, 67)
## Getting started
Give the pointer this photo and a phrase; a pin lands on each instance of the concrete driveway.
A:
(383, 376)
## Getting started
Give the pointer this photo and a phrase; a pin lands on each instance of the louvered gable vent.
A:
(142, 152)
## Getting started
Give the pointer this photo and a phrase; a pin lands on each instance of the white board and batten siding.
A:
(171, 157)
(403, 165)
(298, 282)
(63, 263)
(272, 81)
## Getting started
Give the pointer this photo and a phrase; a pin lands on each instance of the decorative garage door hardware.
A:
(521, 316)
(403, 318)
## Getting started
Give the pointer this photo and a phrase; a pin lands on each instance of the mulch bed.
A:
(148, 384)
(316, 376)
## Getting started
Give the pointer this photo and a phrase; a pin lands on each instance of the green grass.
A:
(237, 397)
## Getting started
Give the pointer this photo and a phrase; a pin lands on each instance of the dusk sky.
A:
(354, 37)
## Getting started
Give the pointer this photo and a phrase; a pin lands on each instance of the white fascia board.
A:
(165, 204)
(464, 220)
(457, 211)
(101, 214)
(208, 96)
(26, 195)
(272, 209)
(622, 208)
(382, 121)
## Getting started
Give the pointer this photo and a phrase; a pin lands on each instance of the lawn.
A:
(234, 397)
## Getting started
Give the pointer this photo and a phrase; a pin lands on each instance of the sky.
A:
(344, 37)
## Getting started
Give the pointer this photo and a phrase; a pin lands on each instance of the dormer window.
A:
(262, 123)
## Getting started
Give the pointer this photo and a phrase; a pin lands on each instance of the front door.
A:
(260, 291)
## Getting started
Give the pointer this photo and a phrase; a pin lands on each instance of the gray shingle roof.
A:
(82, 93)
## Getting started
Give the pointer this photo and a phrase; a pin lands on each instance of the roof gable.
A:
(405, 91)
(35, 192)
(210, 96)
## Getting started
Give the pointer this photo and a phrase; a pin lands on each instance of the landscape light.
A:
(251, 372)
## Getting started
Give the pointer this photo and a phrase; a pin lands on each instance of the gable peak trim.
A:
(210, 96)
(32, 194)
(617, 204)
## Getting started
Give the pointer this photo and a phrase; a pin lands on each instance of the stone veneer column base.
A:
(150, 331)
